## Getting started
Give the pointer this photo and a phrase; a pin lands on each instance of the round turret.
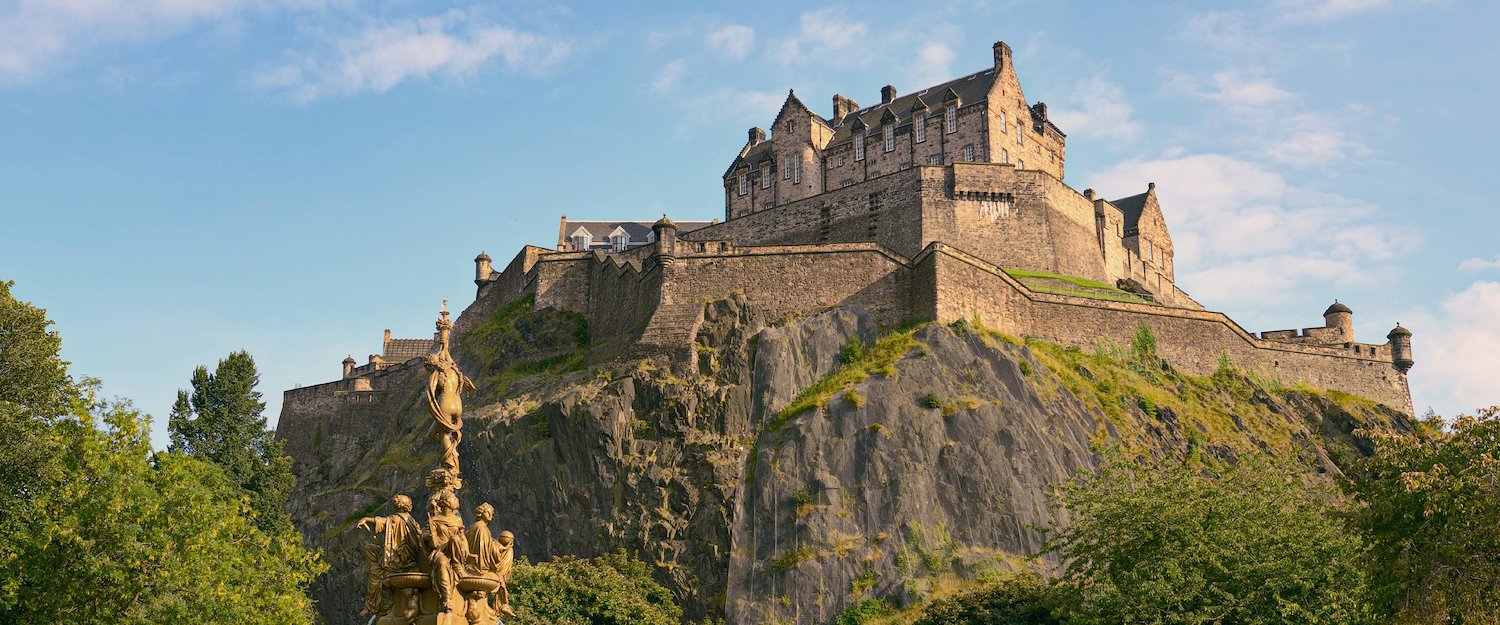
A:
(662, 224)
(666, 240)
(1341, 317)
(348, 366)
(1400, 348)
(482, 269)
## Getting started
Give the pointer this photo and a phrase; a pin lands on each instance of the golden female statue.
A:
(445, 384)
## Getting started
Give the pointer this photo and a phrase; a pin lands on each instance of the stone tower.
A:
(1340, 317)
(1400, 348)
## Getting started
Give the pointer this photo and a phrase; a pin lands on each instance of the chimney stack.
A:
(843, 106)
(1002, 55)
(757, 135)
(887, 94)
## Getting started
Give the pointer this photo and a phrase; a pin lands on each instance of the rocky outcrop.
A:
(926, 453)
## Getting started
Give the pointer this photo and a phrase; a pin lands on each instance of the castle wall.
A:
(1190, 340)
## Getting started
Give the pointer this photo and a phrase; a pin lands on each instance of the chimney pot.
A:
(887, 94)
(756, 135)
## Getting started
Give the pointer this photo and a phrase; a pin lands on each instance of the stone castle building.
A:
(946, 203)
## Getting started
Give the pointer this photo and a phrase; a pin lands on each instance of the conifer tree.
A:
(220, 421)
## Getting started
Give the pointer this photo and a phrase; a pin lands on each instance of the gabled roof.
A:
(1131, 207)
(599, 231)
(968, 89)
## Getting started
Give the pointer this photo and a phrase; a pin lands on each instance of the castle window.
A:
(620, 241)
(744, 183)
(797, 172)
(788, 125)
(581, 242)
(859, 146)
(969, 153)
(950, 117)
(935, 159)
(1020, 164)
(890, 137)
(1002, 120)
(765, 177)
(919, 126)
(1020, 133)
(1004, 155)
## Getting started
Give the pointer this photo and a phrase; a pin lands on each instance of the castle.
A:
(946, 204)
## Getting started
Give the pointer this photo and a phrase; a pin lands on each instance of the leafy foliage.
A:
(1432, 514)
(1024, 599)
(98, 529)
(221, 422)
(614, 589)
(862, 612)
(1170, 542)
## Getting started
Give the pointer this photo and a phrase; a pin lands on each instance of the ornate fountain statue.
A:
(439, 573)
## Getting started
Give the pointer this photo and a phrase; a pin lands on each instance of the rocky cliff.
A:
(810, 462)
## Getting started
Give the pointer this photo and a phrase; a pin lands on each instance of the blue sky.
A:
(183, 178)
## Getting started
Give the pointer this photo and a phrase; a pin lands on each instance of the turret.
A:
(482, 269)
(1400, 348)
(348, 366)
(1340, 317)
(666, 240)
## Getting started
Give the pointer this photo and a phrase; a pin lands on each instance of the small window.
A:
(951, 118)
(890, 137)
(620, 242)
(765, 177)
(1020, 164)
(919, 127)
(797, 172)
(788, 125)
(1004, 155)
(969, 153)
(859, 146)
(744, 183)
(1002, 120)
(1020, 133)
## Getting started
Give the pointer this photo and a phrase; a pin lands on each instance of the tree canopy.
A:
(220, 421)
(613, 589)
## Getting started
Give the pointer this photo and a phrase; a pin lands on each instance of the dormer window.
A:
(859, 145)
(950, 117)
(619, 239)
(919, 126)
(744, 182)
(890, 137)
(581, 240)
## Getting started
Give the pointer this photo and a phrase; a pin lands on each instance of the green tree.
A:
(220, 421)
(1168, 542)
(130, 536)
(1024, 599)
(1431, 510)
(613, 589)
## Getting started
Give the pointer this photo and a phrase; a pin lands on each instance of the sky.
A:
(184, 178)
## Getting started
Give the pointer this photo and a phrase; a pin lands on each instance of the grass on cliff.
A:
(858, 363)
(519, 341)
(1091, 289)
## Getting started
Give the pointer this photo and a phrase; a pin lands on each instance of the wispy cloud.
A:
(933, 64)
(1097, 108)
(820, 33)
(1236, 90)
(455, 45)
(40, 37)
(734, 40)
(670, 75)
(1480, 264)
(1246, 237)
(1323, 10)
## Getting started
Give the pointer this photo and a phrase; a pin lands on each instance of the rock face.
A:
(930, 455)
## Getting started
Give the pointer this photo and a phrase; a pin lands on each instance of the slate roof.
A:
(639, 231)
(402, 350)
(1131, 207)
(970, 89)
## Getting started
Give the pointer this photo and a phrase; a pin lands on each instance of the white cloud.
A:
(453, 45)
(1247, 238)
(1480, 264)
(1310, 139)
(1238, 91)
(933, 63)
(734, 40)
(1321, 10)
(1097, 108)
(39, 37)
(820, 33)
(1458, 352)
(670, 75)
